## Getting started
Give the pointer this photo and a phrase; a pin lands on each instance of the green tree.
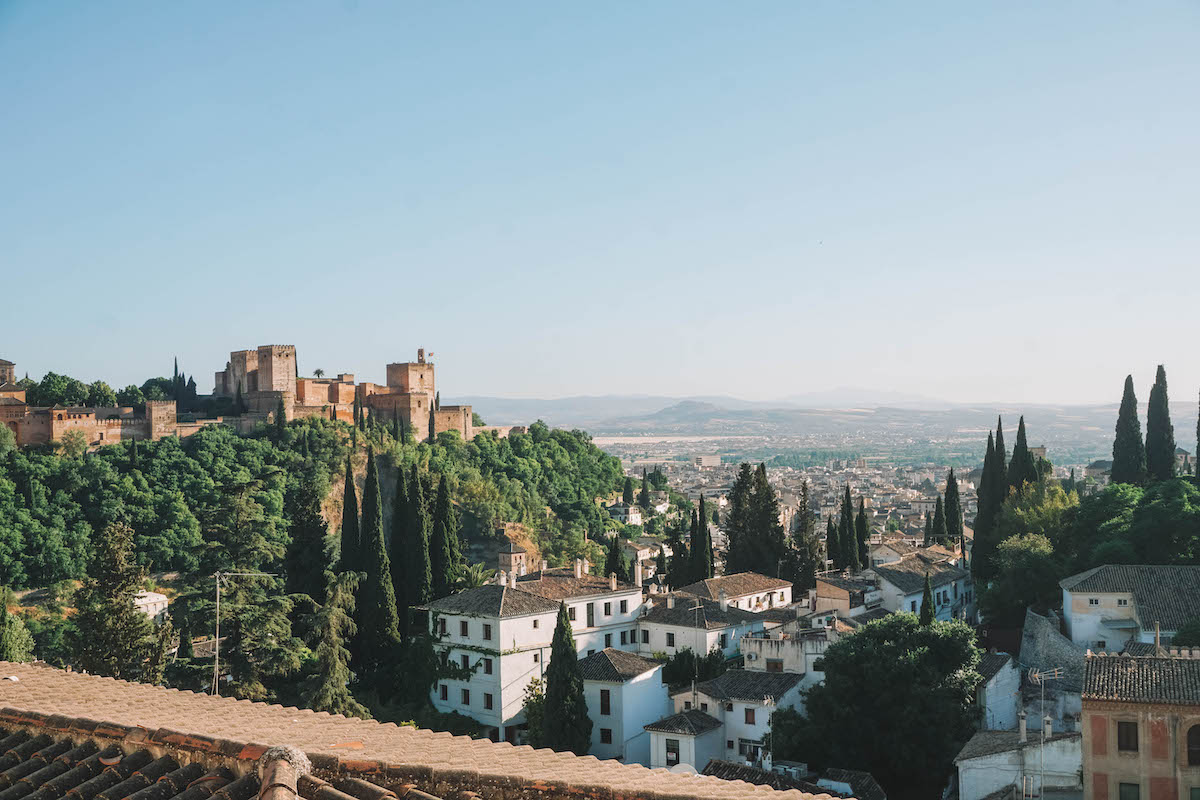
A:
(16, 643)
(1188, 634)
(57, 390)
(411, 547)
(569, 727)
(643, 498)
(130, 396)
(938, 531)
(954, 513)
(805, 543)
(349, 554)
(701, 566)
(739, 556)
(376, 620)
(443, 543)
(327, 689)
(685, 666)
(101, 395)
(1027, 577)
(1022, 469)
(1129, 452)
(993, 487)
(307, 555)
(833, 547)
(928, 540)
(111, 637)
(627, 492)
(74, 443)
(927, 603)
(1160, 434)
(680, 558)
(862, 533)
(280, 421)
(535, 712)
(846, 534)
(885, 670)
(614, 560)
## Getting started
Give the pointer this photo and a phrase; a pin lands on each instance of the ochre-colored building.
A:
(1141, 726)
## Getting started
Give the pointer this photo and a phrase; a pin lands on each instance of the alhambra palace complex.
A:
(262, 378)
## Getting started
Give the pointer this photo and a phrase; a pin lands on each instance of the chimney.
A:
(545, 565)
(512, 580)
(612, 581)
(654, 588)
(670, 601)
(1047, 727)
(723, 599)
(1158, 648)
(1021, 735)
(578, 568)
(587, 567)
(637, 574)
(501, 578)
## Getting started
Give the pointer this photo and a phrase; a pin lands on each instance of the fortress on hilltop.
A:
(261, 379)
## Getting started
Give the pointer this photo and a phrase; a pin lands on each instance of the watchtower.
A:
(8, 372)
(277, 368)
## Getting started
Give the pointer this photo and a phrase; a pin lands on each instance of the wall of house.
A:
(1060, 763)
(644, 700)
(1000, 699)
(694, 750)
(797, 653)
(1085, 622)
(758, 601)
(1160, 764)
(608, 627)
(700, 641)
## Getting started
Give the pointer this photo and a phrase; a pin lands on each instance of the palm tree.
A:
(472, 576)
(318, 373)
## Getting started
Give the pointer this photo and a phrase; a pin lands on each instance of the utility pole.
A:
(218, 577)
(1040, 679)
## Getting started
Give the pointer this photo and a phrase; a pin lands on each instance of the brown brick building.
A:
(1141, 726)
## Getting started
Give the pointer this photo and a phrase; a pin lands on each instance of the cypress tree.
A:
(680, 565)
(1021, 469)
(627, 492)
(985, 516)
(702, 549)
(376, 615)
(419, 571)
(954, 514)
(765, 533)
(644, 495)
(280, 421)
(1160, 435)
(833, 548)
(660, 562)
(614, 561)
(305, 561)
(846, 534)
(1129, 452)
(400, 552)
(928, 530)
(349, 559)
(926, 618)
(1000, 487)
(396, 425)
(569, 727)
(443, 543)
(939, 532)
(862, 532)
(738, 556)
(403, 431)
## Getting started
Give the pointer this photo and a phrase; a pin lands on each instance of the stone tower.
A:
(8, 372)
(277, 368)
(512, 558)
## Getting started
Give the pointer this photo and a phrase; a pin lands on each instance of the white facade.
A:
(1104, 620)
(744, 724)
(695, 751)
(152, 604)
(1061, 762)
(949, 599)
(605, 620)
(631, 705)
(659, 637)
(1000, 698)
(789, 653)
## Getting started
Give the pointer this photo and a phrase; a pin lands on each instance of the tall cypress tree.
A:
(280, 421)
(939, 532)
(1000, 487)
(306, 559)
(396, 425)
(420, 569)
(349, 560)
(1021, 469)
(862, 532)
(954, 514)
(833, 548)
(1129, 451)
(400, 553)
(847, 535)
(985, 516)
(376, 606)
(738, 555)
(614, 560)
(1160, 434)
(569, 727)
(926, 618)
(701, 549)
(928, 530)
(644, 494)
(627, 492)
(443, 543)
(706, 537)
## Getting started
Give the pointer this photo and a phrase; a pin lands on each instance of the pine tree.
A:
(643, 498)
(333, 624)
(349, 559)
(113, 637)
(569, 727)
(701, 567)
(939, 533)
(306, 560)
(1129, 451)
(443, 543)
(280, 421)
(739, 553)
(765, 535)
(1160, 434)
(1021, 469)
(614, 560)
(627, 492)
(927, 603)
(847, 535)
(862, 532)
(833, 548)
(954, 514)
(16, 643)
(376, 618)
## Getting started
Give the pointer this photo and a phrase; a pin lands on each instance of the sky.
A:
(967, 201)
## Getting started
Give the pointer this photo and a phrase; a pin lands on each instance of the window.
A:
(781, 597)
(704, 706)
(591, 615)
(672, 752)
(724, 640)
(774, 665)
(749, 716)
(537, 657)
(1129, 791)
(912, 606)
(441, 627)
(487, 631)
(608, 609)
(624, 636)
(687, 705)
(605, 702)
(608, 640)
(466, 697)
(592, 652)
(645, 637)
(956, 590)
(1193, 746)
(606, 736)
(749, 749)
(535, 622)
(1121, 601)
(571, 613)
(729, 706)
(670, 640)
(729, 744)
(1127, 737)
(466, 661)
(487, 666)
(463, 630)
(1101, 644)
(444, 692)
(624, 606)
(1094, 601)
(1195, 793)
(487, 701)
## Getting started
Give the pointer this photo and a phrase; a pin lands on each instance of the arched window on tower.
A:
(1193, 742)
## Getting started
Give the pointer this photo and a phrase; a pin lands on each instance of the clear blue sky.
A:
(964, 200)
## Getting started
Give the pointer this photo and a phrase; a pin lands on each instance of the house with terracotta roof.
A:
(903, 583)
(624, 693)
(996, 763)
(674, 622)
(688, 738)
(1106, 606)
(1141, 725)
(751, 591)
(998, 694)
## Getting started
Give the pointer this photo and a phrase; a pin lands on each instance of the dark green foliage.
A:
(833, 547)
(378, 631)
(614, 560)
(569, 727)
(643, 498)
(307, 556)
(1022, 469)
(681, 565)
(1188, 634)
(1028, 572)
(101, 395)
(660, 562)
(938, 531)
(993, 489)
(701, 561)
(627, 492)
(737, 522)
(16, 643)
(158, 652)
(444, 557)
(883, 672)
(928, 530)
(756, 536)
(1160, 434)
(111, 636)
(418, 569)
(927, 603)
(954, 513)
(685, 666)
(846, 534)
(348, 560)
(1129, 452)
(401, 549)
(54, 389)
(327, 689)
(806, 546)
(862, 533)
(280, 421)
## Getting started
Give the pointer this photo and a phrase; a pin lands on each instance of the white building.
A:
(995, 760)
(674, 622)
(903, 584)
(152, 604)
(691, 737)
(742, 701)
(999, 693)
(603, 611)
(748, 590)
(624, 693)
(1107, 606)
(625, 513)
(798, 652)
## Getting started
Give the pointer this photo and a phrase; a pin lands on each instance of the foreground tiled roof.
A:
(561, 584)
(692, 722)
(736, 585)
(83, 706)
(986, 743)
(492, 600)
(748, 685)
(1142, 679)
(695, 612)
(1169, 595)
(614, 666)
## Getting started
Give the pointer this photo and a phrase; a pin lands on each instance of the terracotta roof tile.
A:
(735, 585)
(1142, 679)
(1167, 594)
(614, 666)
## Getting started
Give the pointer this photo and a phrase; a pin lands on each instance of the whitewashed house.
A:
(751, 591)
(152, 604)
(903, 584)
(674, 622)
(996, 760)
(742, 701)
(625, 513)
(797, 651)
(624, 693)
(1107, 606)
(999, 693)
(603, 611)
(690, 737)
